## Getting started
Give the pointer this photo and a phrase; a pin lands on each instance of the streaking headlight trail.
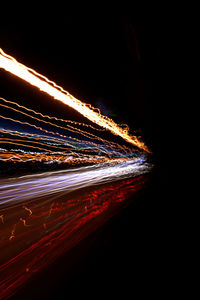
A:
(29, 187)
(59, 179)
(9, 64)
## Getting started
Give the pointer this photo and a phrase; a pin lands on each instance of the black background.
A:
(120, 63)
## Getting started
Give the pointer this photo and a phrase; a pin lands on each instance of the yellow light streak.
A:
(11, 65)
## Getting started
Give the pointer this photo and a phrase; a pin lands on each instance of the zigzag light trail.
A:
(51, 118)
(67, 127)
(9, 64)
(61, 146)
(45, 210)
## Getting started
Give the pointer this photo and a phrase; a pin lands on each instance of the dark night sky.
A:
(119, 65)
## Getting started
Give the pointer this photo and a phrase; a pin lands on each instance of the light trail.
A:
(17, 190)
(11, 65)
(50, 117)
(45, 214)
(36, 232)
(67, 127)
(54, 141)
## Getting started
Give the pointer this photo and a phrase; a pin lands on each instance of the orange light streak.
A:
(12, 235)
(52, 117)
(68, 128)
(51, 132)
(2, 219)
(9, 64)
(47, 131)
(24, 222)
(28, 210)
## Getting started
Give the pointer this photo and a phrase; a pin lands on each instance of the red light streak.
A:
(54, 230)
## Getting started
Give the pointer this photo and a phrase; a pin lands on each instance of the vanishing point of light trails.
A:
(11, 65)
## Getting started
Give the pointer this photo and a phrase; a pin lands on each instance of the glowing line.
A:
(69, 128)
(51, 118)
(30, 146)
(5, 140)
(54, 133)
(32, 186)
(9, 64)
